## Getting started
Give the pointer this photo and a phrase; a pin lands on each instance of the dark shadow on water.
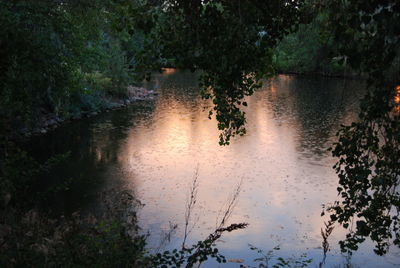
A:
(92, 145)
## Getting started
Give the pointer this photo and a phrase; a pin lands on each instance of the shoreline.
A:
(51, 121)
(324, 75)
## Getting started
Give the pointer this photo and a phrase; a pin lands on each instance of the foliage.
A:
(34, 69)
(267, 257)
(368, 150)
(369, 174)
(325, 233)
(232, 43)
(36, 239)
(198, 253)
(309, 50)
(63, 56)
(18, 184)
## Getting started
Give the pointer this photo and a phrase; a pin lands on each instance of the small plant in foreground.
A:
(267, 257)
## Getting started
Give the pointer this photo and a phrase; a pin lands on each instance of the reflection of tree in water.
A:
(93, 145)
(181, 83)
(179, 90)
(315, 105)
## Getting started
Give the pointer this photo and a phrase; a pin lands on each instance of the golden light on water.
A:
(397, 99)
(168, 70)
(160, 156)
(284, 177)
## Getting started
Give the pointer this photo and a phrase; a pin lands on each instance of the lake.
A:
(155, 148)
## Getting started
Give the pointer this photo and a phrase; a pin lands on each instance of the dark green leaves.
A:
(231, 42)
(368, 150)
(369, 172)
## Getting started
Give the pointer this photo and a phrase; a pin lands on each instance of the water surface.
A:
(155, 148)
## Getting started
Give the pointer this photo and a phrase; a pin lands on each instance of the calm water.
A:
(155, 147)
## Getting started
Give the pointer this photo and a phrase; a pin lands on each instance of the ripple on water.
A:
(283, 164)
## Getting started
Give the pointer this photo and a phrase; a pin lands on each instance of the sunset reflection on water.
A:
(286, 171)
(397, 99)
(154, 148)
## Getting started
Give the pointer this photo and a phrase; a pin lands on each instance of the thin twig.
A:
(230, 205)
(166, 236)
(325, 234)
(190, 206)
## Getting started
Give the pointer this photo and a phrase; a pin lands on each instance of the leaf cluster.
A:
(369, 149)
(231, 42)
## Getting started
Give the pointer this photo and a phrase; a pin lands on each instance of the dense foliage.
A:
(369, 149)
(64, 57)
(232, 43)
(310, 50)
(36, 239)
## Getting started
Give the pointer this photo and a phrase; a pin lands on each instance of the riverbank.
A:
(50, 121)
(320, 74)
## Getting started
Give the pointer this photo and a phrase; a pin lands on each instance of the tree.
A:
(61, 57)
(309, 50)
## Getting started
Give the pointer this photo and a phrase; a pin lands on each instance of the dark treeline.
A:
(68, 57)
(311, 50)
(65, 57)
